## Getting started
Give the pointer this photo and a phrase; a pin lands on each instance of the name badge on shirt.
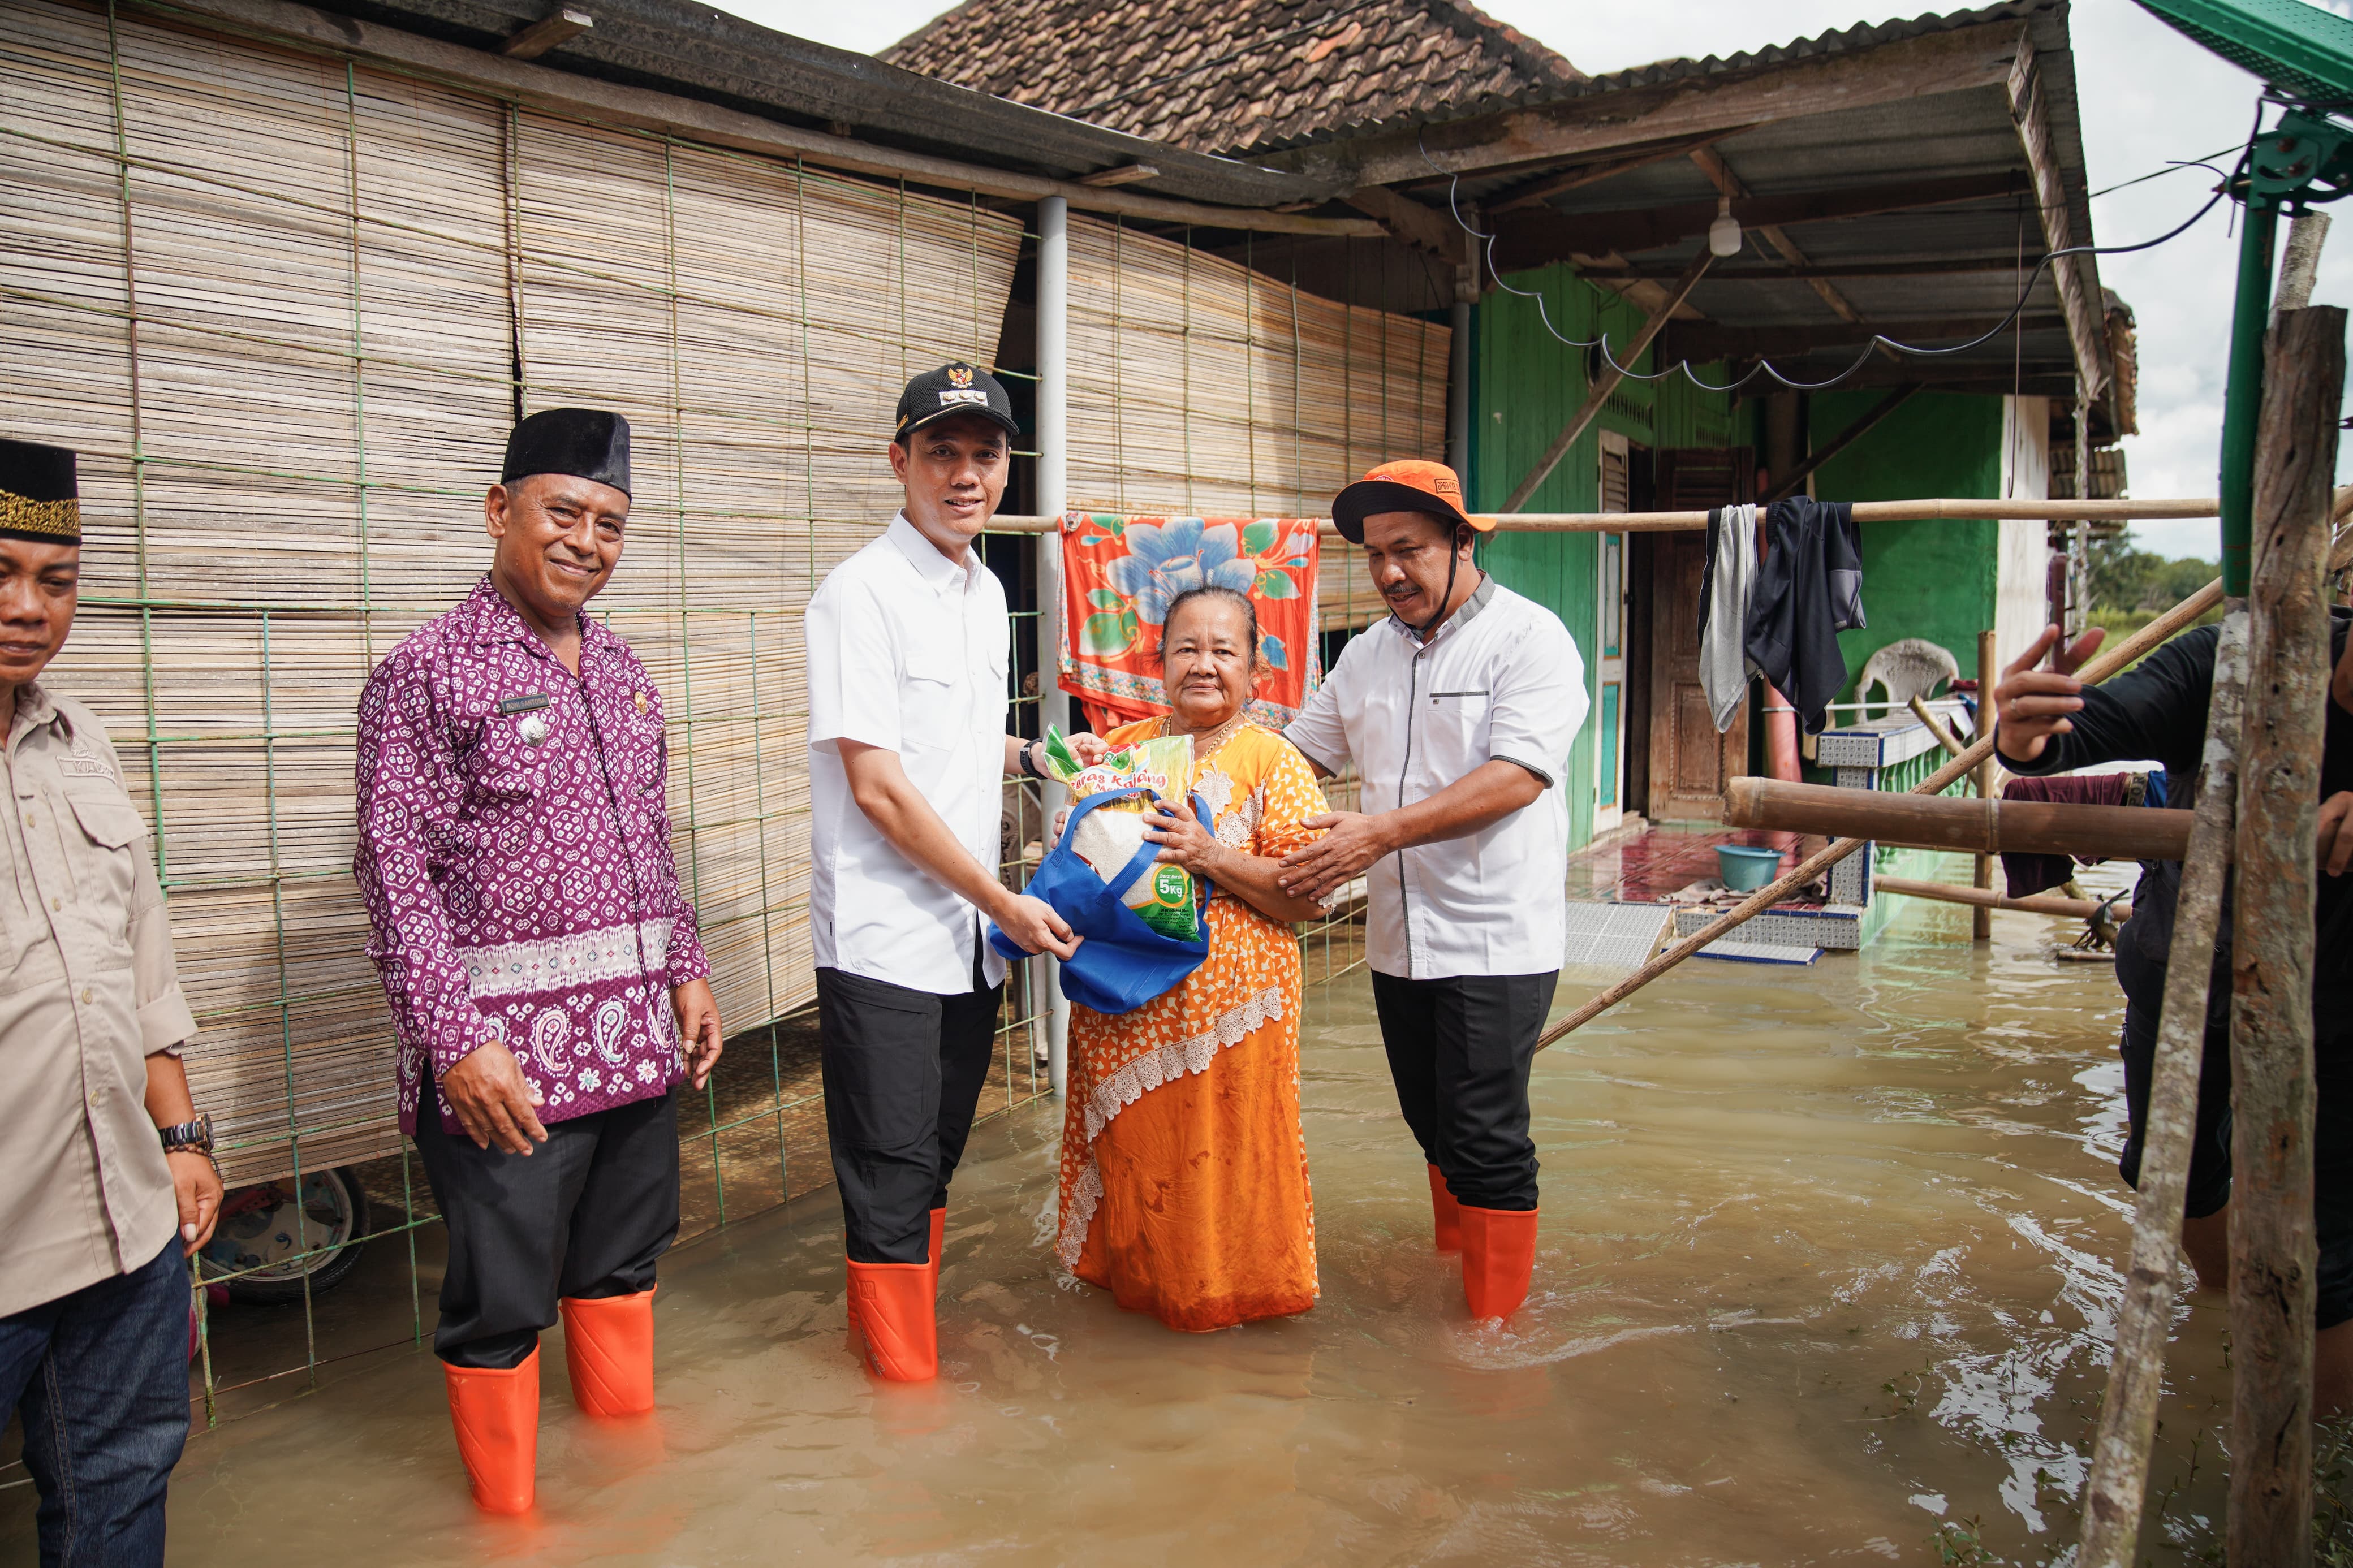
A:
(533, 729)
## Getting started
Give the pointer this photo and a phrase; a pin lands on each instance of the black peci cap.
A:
(953, 389)
(40, 495)
(587, 443)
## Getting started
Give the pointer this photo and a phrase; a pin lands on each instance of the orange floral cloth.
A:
(1183, 1181)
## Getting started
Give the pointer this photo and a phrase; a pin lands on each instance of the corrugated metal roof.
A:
(697, 51)
(1952, 135)
(1843, 40)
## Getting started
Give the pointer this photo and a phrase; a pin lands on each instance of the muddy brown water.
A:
(1827, 1263)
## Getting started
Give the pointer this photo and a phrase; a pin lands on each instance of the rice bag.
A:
(1164, 897)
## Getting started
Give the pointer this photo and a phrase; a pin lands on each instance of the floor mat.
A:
(1613, 936)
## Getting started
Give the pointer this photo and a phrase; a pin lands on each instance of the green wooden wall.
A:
(1937, 579)
(1525, 384)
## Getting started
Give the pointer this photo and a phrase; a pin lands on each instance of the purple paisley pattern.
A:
(517, 865)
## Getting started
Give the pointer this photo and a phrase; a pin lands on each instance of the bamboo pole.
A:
(1985, 899)
(2272, 1252)
(1921, 711)
(1981, 868)
(1963, 509)
(2104, 664)
(2119, 1477)
(1944, 822)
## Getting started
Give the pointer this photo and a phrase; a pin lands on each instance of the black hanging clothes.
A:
(1809, 589)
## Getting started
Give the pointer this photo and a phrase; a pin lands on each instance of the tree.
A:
(2126, 579)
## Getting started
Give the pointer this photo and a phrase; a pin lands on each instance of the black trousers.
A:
(1459, 1051)
(2209, 1151)
(584, 1214)
(902, 1075)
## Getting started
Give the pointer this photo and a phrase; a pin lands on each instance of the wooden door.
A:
(1689, 762)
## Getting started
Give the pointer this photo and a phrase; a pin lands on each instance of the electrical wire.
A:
(1766, 366)
(2172, 166)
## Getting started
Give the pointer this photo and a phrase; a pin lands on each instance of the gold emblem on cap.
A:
(959, 375)
(24, 515)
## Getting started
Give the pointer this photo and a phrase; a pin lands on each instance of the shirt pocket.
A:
(934, 702)
(931, 715)
(503, 769)
(102, 855)
(1457, 720)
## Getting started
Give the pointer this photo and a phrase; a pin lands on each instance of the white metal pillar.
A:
(1053, 498)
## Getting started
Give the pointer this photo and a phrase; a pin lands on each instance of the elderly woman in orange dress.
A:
(1184, 1180)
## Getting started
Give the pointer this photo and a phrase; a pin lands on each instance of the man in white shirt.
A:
(908, 643)
(1458, 711)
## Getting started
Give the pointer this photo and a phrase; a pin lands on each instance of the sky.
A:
(2147, 95)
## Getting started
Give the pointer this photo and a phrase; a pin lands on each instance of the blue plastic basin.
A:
(1745, 869)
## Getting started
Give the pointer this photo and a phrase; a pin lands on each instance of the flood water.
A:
(1827, 1263)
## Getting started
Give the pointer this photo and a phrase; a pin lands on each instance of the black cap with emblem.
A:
(953, 389)
(40, 497)
(588, 443)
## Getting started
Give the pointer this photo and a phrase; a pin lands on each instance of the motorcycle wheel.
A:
(269, 1245)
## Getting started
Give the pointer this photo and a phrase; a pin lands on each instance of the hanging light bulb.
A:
(1723, 233)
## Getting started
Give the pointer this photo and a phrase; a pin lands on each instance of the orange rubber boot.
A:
(496, 1415)
(891, 1306)
(1499, 1252)
(939, 1236)
(608, 1346)
(1448, 1212)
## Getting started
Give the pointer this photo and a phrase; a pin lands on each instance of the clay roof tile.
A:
(1223, 78)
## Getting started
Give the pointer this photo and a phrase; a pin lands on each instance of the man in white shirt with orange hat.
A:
(1458, 711)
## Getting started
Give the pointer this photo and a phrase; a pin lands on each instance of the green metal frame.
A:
(2304, 55)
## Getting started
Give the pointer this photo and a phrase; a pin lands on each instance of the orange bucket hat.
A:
(1412, 485)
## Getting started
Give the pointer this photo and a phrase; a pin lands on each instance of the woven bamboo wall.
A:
(276, 304)
(1201, 387)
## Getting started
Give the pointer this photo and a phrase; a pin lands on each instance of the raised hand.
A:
(2031, 705)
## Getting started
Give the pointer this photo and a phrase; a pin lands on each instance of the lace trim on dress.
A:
(1172, 1061)
(1130, 1083)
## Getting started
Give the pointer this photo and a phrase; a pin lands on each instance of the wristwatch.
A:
(188, 1137)
(1028, 765)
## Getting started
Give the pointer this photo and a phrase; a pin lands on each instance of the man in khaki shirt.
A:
(107, 1183)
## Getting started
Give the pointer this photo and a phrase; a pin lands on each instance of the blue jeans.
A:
(101, 1377)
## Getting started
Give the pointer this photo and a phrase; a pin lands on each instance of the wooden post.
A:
(2114, 1495)
(2272, 1252)
(1989, 771)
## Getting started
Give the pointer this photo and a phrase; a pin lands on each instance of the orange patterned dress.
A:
(1183, 1181)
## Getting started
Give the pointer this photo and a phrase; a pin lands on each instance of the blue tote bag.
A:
(1123, 964)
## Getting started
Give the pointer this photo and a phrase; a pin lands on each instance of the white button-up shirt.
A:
(907, 651)
(1501, 680)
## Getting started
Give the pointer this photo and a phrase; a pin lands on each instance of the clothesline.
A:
(1968, 508)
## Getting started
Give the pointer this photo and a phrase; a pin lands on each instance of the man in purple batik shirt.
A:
(541, 964)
